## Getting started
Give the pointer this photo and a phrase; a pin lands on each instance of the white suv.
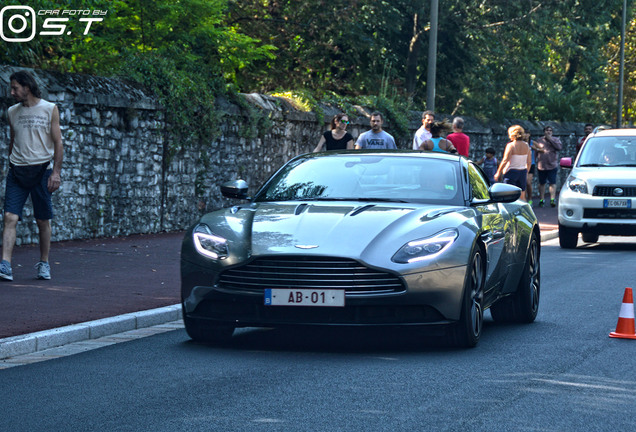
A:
(598, 196)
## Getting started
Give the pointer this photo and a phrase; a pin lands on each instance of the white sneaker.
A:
(44, 270)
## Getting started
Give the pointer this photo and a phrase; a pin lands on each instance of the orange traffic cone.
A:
(625, 326)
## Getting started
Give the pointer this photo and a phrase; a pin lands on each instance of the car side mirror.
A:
(566, 162)
(235, 189)
(504, 193)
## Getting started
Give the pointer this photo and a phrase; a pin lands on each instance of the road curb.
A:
(38, 341)
(549, 235)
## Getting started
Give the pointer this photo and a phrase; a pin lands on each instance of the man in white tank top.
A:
(35, 156)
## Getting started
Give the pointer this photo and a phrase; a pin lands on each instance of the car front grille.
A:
(294, 272)
(606, 213)
(608, 191)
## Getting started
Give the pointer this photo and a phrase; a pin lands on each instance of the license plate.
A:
(304, 297)
(617, 203)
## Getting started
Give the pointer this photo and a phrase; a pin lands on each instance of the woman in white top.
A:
(516, 160)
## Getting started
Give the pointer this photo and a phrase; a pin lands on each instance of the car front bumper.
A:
(432, 297)
(588, 213)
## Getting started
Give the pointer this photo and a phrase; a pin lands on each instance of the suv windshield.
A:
(609, 151)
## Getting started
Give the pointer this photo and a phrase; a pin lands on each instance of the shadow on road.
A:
(345, 340)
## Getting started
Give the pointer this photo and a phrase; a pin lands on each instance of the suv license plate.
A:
(617, 203)
(304, 297)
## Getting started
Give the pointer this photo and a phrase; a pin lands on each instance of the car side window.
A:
(478, 184)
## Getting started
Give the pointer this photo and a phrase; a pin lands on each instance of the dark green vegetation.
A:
(526, 59)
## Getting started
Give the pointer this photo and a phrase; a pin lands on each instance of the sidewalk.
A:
(105, 286)
(91, 280)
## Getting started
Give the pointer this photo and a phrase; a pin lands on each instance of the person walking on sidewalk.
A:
(436, 143)
(376, 138)
(337, 138)
(35, 164)
(547, 164)
(516, 160)
(460, 140)
(424, 132)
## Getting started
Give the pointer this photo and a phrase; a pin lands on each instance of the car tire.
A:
(568, 237)
(589, 237)
(523, 305)
(206, 332)
(467, 331)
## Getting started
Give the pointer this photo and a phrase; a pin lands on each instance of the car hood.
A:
(327, 228)
(607, 175)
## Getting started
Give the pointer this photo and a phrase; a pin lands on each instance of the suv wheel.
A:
(568, 237)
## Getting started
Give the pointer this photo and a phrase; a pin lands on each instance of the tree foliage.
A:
(535, 59)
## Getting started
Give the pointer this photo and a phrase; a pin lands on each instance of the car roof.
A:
(615, 132)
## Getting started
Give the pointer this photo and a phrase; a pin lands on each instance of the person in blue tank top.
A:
(437, 143)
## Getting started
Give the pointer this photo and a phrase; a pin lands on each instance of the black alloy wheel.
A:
(467, 331)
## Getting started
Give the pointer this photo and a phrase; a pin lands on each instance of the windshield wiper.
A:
(382, 200)
(593, 165)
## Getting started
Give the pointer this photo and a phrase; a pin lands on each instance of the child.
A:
(490, 164)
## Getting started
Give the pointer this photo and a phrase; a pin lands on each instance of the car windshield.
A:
(366, 178)
(609, 151)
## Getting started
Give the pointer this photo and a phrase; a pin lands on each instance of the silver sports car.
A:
(364, 238)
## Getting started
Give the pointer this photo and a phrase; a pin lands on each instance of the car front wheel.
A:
(568, 237)
(523, 305)
(467, 331)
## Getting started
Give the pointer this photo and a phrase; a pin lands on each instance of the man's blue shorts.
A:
(15, 197)
(548, 175)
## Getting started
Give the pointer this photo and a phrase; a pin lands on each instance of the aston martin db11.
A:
(373, 238)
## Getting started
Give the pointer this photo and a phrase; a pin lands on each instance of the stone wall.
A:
(118, 177)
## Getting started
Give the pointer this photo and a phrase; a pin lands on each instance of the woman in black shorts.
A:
(516, 160)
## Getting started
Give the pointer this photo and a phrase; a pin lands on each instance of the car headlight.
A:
(208, 244)
(426, 248)
(577, 185)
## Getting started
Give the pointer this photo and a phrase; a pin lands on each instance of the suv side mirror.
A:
(566, 162)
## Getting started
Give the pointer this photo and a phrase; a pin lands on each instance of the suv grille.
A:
(608, 191)
(594, 213)
(298, 272)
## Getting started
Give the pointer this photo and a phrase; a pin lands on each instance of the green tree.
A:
(534, 59)
(607, 97)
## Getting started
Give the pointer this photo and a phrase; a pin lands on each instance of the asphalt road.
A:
(561, 373)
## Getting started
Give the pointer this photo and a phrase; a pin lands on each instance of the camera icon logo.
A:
(17, 19)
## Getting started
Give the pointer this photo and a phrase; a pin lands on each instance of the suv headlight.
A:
(577, 185)
(426, 248)
(208, 244)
